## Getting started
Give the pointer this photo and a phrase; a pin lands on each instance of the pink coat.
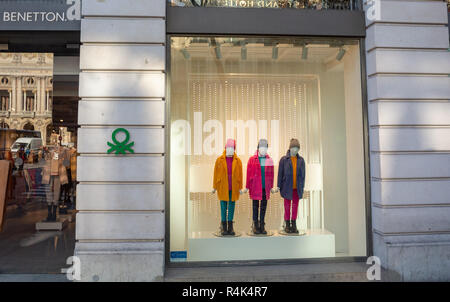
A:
(254, 181)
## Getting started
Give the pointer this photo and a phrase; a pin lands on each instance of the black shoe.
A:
(49, 214)
(287, 226)
(255, 227)
(223, 228)
(262, 230)
(230, 228)
(294, 227)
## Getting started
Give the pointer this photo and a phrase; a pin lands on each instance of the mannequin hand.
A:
(213, 191)
(275, 190)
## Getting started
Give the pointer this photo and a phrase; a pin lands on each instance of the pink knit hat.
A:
(230, 143)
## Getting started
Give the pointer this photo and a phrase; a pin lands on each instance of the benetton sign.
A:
(40, 14)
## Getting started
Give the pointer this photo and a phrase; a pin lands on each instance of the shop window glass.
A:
(276, 89)
(38, 167)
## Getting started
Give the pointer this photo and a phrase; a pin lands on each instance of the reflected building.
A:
(26, 85)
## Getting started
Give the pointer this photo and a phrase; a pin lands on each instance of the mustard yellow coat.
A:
(220, 182)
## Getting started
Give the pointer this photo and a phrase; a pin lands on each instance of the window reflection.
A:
(295, 4)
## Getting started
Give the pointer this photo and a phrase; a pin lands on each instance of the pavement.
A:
(323, 272)
(33, 278)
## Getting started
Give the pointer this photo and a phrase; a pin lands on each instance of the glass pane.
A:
(37, 165)
(293, 4)
(277, 89)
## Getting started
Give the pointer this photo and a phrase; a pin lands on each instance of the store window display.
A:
(295, 115)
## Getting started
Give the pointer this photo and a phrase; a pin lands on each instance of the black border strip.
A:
(259, 21)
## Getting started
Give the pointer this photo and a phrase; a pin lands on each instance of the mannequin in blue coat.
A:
(291, 183)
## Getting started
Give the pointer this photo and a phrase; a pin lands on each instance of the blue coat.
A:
(285, 176)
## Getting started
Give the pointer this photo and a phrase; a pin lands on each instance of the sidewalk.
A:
(325, 272)
(33, 278)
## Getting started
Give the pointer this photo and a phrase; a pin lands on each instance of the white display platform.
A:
(204, 246)
(51, 226)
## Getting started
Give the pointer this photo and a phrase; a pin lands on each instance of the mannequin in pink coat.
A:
(259, 182)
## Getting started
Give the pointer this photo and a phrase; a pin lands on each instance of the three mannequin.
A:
(228, 184)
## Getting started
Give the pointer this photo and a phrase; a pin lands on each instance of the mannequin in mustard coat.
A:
(228, 183)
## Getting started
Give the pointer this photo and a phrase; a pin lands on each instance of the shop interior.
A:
(247, 89)
(38, 151)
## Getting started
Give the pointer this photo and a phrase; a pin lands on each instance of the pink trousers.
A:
(288, 205)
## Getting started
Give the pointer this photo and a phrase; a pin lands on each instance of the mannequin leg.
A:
(231, 205)
(255, 210)
(50, 197)
(223, 210)
(262, 216)
(295, 200)
(255, 227)
(56, 193)
(287, 215)
(223, 215)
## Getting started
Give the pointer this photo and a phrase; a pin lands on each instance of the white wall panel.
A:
(120, 168)
(408, 87)
(399, 61)
(409, 113)
(407, 36)
(120, 197)
(136, 8)
(404, 192)
(421, 11)
(146, 140)
(410, 165)
(119, 225)
(122, 84)
(137, 30)
(410, 139)
(122, 57)
(126, 112)
(411, 219)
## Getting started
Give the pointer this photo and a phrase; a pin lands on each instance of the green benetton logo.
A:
(123, 146)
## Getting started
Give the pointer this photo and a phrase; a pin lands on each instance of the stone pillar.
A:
(14, 94)
(35, 100)
(19, 98)
(120, 198)
(47, 105)
(10, 100)
(409, 112)
(38, 95)
(24, 100)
